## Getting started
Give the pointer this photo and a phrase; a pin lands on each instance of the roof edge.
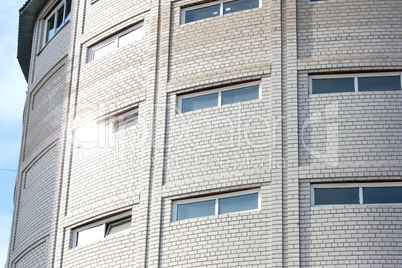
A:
(27, 17)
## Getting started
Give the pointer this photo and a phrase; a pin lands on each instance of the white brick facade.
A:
(281, 143)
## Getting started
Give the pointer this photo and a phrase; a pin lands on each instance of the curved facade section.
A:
(247, 133)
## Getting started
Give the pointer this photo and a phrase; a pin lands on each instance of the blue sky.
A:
(12, 97)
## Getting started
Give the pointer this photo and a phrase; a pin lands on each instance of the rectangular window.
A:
(200, 102)
(215, 205)
(119, 40)
(125, 120)
(381, 195)
(347, 194)
(217, 8)
(99, 230)
(57, 19)
(218, 97)
(336, 196)
(320, 84)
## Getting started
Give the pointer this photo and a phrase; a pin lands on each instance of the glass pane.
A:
(238, 203)
(202, 13)
(380, 83)
(332, 85)
(378, 195)
(50, 28)
(200, 102)
(104, 50)
(195, 210)
(59, 18)
(89, 235)
(131, 37)
(68, 11)
(336, 196)
(239, 95)
(125, 121)
(119, 226)
(239, 5)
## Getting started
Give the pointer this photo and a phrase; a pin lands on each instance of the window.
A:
(347, 194)
(214, 205)
(355, 82)
(99, 230)
(216, 8)
(57, 19)
(120, 40)
(125, 120)
(211, 98)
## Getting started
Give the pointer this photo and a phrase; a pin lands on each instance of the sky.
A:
(12, 97)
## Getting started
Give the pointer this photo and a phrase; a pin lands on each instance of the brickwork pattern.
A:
(36, 203)
(170, 156)
(355, 235)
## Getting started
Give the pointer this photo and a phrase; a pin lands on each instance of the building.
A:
(187, 133)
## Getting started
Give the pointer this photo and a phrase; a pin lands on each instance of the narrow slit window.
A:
(125, 120)
(238, 203)
(380, 83)
(118, 226)
(200, 102)
(322, 84)
(129, 36)
(211, 98)
(332, 85)
(50, 28)
(240, 95)
(239, 5)
(382, 195)
(202, 13)
(217, 8)
(336, 196)
(99, 230)
(215, 205)
(348, 194)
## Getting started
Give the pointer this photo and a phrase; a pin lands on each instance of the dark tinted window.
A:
(378, 195)
(333, 85)
(336, 196)
(379, 83)
(50, 28)
(68, 10)
(239, 5)
(59, 18)
(202, 13)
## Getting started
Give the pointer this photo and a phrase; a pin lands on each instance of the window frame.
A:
(54, 13)
(184, 96)
(119, 120)
(216, 198)
(110, 40)
(352, 185)
(212, 3)
(105, 224)
(355, 76)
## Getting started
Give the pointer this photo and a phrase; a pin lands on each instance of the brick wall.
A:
(267, 143)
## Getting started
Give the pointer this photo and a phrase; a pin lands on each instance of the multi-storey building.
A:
(232, 133)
